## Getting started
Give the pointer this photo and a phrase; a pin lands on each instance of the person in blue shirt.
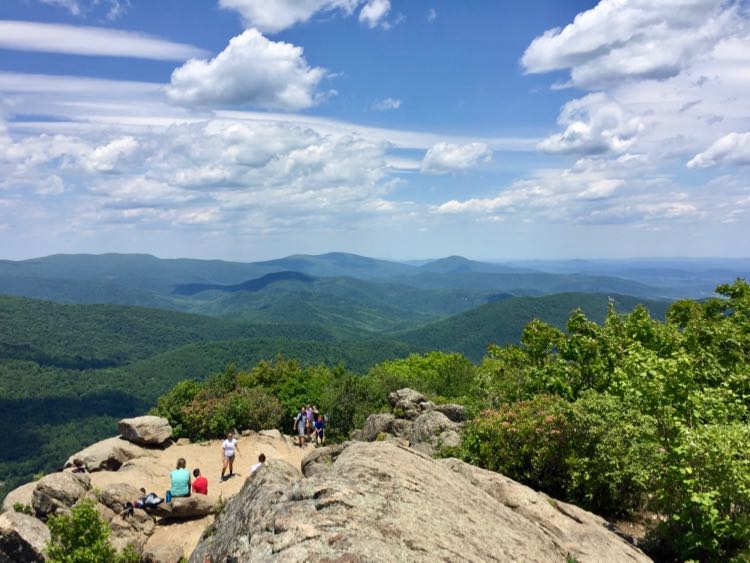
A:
(180, 480)
(320, 426)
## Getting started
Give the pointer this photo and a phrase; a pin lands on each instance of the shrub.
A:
(704, 494)
(172, 403)
(83, 537)
(253, 409)
(525, 441)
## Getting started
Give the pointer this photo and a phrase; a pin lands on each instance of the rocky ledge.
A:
(383, 501)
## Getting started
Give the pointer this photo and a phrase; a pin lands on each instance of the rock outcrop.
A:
(146, 430)
(183, 507)
(425, 426)
(58, 492)
(22, 538)
(383, 502)
(107, 455)
(22, 495)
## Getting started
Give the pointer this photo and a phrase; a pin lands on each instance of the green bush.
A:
(172, 403)
(525, 441)
(211, 417)
(704, 494)
(83, 537)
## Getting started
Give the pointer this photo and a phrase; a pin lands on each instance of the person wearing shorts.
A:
(229, 448)
(299, 424)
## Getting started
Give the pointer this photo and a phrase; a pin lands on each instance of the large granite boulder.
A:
(407, 403)
(147, 430)
(456, 413)
(22, 538)
(57, 492)
(180, 508)
(161, 553)
(322, 459)
(132, 529)
(117, 495)
(381, 502)
(433, 431)
(22, 495)
(107, 455)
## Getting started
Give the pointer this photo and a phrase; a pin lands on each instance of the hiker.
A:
(200, 485)
(320, 426)
(180, 481)
(299, 424)
(261, 461)
(310, 419)
(147, 500)
(228, 449)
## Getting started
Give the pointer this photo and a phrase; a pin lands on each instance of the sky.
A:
(255, 129)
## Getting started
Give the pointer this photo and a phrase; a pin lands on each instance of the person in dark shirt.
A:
(320, 426)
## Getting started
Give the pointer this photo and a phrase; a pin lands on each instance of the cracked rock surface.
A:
(384, 502)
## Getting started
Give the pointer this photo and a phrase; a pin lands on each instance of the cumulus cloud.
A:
(374, 13)
(631, 39)
(733, 148)
(443, 158)
(251, 70)
(386, 104)
(112, 156)
(593, 124)
(272, 17)
(94, 41)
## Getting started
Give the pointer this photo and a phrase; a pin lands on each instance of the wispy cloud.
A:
(90, 41)
(386, 104)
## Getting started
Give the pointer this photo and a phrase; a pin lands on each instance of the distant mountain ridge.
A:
(250, 285)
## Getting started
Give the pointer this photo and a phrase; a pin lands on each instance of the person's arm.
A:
(237, 446)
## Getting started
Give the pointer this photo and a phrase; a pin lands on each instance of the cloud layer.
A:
(92, 41)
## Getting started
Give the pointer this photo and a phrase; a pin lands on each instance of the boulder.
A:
(107, 455)
(22, 495)
(381, 502)
(400, 428)
(148, 430)
(132, 529)
(22, 538)
(183, 507)
(375, 425)
(272, 434)
(583, 535)
(162, 553)
(321, 459)
(432, 431)
(117, 495)
(407, 401)
(456, 413)
(57, 492)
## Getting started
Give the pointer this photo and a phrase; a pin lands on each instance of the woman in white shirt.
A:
(228, 449)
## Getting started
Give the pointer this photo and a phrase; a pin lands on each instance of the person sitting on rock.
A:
(180, 480)
(299, 424)
(319, 427)
(228, 449)
(200, 485)
(261, 461)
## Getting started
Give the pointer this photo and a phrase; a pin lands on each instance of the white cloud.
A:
(92, 41)
(251, 70)
(593, 124)
(733, 148)
(113, 156)
(114, 8)
(386, 104)
(374, 13)
(431, 15)
(631, 39)
(443, 158)
(277, 15)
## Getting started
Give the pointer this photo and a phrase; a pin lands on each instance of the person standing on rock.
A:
(320, 427)
(299, 424)
(228, 449)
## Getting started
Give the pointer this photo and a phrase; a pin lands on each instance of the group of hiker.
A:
(181, 483)
(309, 424)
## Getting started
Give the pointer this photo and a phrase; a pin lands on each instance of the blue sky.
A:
(252, 129)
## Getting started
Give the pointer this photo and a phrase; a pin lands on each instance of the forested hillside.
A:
(67, 372)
